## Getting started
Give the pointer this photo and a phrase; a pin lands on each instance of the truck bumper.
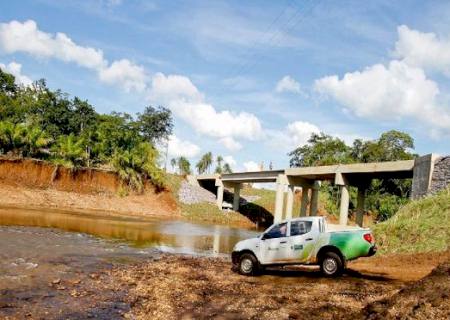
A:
(372, 251)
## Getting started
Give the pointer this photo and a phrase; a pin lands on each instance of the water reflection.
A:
(173, 236)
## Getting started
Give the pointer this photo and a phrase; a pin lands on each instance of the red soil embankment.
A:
(35, 183)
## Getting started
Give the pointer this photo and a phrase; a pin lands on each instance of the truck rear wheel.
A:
(248, 264)
(331, 264)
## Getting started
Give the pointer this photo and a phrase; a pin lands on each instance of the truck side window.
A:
(300, 227)
(278, 231)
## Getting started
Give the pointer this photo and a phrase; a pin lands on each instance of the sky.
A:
(248, 80)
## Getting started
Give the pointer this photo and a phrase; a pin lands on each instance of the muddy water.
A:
(165, 235)
(54, 264)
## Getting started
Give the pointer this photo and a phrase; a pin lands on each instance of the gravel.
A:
(189, 194)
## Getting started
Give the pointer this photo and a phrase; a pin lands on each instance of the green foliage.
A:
(38, 122)
(69, 151)
(22, 139)
(155, 123)
(384, 197)
(420, 226)
(184, 166)
(204, 164)
(321, 150)
(227, 168)
(137, 164)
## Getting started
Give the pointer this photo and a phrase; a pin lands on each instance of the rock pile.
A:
(441, 174)
(189, 194)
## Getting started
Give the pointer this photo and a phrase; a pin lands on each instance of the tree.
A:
(69, 151)
(184, 166)
(83, 115)
(204, 164)
(155, 124)
(34, 140)
(173, 163)
(320, 150)
(384, 196)
(227, 168)
(219, 168)
(7, 83)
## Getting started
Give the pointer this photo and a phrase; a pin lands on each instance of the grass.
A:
(210, 213)
(204, 212)
(420, 226)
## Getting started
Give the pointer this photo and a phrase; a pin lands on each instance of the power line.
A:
(286, 29)
(272, 24)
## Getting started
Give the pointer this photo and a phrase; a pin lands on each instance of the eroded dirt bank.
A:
(32, 183)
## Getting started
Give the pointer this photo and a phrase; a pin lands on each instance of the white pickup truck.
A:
(306, 240)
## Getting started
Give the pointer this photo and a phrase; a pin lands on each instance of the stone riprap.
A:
(189, 194)
(441, 174)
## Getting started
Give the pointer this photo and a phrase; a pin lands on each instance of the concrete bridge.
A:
(309, 178)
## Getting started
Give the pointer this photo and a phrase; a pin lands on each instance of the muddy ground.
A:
(199, 288)
(50, 274)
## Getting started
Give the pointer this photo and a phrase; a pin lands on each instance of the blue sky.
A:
(247, 80)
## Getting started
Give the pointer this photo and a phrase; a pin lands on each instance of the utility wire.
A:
(286, 29)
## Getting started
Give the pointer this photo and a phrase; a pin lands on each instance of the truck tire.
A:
(331, 264)
(248, 264)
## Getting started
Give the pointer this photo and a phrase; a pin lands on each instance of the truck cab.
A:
(306, 240)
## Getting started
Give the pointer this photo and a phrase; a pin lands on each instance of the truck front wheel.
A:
(331, 264)
(248, 265)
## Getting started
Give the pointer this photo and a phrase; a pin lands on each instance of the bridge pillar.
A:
(341, 181)
(220, 188)
(305, 201)
(360, 206)
(220, 196)
(279, 198)
(290, 202)
(343, 209)
(314, 199)
(236, 196)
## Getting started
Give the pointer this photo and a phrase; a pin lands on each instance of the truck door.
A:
(275, 245)
(302, 239)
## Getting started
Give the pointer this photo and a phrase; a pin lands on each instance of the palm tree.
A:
(184, 166)
(173, 163)
(227, 168)
(69, 151)
(12, 136)
(34, 141)
(219, 160)
(208, 160)
(204, 163)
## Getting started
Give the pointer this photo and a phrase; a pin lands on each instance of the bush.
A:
(134, 165)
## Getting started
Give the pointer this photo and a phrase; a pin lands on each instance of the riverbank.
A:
(75, 276)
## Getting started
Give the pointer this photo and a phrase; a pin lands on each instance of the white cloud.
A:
(25, 37)
(230, 160)
(389, 93)
(423, 50)
(230, 144)
(173, 87)
(182, 148)
(124, 73)
(299, 132)
(15, 69)
(288, 84)
(251, 166)
(294, 135)
(186, 102)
